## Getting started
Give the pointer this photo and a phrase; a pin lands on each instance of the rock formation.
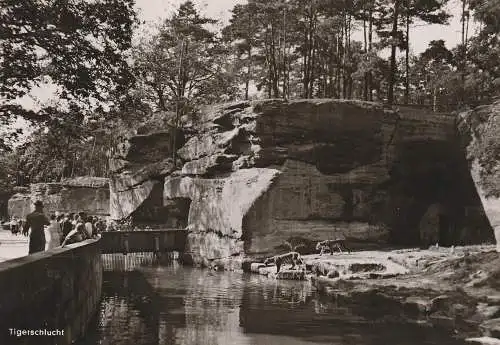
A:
(138, 169)
(480, 129)
(86, 194)
(250, 175)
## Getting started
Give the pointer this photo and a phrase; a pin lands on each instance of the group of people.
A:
(60, 229)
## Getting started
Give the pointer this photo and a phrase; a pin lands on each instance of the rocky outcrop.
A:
(82, 194)
(218, 207)
(138, 168)
(255, 174)
(480, 130)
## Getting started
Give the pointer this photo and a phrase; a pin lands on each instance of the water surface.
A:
(186, 306)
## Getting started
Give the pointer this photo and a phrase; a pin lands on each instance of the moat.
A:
(171, 304)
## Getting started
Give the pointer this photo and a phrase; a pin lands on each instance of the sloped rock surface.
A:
(138, 166)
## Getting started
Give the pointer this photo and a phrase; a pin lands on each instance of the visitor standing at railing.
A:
(36, 222)
(88, 226)
(53, 234)
(67, 226)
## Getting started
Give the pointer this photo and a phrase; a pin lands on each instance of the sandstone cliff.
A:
(480, 130)
(87, 194)
(250, 175)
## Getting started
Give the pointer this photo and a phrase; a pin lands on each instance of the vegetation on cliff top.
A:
(107, 87)
(483, 124)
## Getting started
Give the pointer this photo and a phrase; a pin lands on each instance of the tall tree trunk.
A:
(284, 56)
(407, 57)
(331, 71)
(344, 53)
(161, 98)
(349, 75)
(305, 76)
(177, 105)
(370, 40)
(314, 55)
(463, 63)
(464, 4)
(339, 63)
(247, 77)
(274, 67)
(394, 34)
(365, 49)
(434, 99)
(249, 61)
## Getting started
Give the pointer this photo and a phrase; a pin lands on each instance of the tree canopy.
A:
(75, 46)
(285, 49)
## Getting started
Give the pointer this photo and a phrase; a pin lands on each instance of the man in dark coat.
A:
(36, 221)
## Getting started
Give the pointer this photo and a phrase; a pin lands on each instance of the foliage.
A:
(183, 64)
(283, 48)
(8, 170)
(297, 48)
(77, 47)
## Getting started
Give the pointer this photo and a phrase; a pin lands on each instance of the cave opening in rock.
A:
(432, 197)
(155, 213)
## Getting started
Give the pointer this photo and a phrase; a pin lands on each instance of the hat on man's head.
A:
(39, 203)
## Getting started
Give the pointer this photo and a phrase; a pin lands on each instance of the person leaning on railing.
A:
(76, 235)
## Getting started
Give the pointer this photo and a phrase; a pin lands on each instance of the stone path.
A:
(12, 246)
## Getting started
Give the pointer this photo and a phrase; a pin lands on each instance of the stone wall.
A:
(82, 194)
(55, 290)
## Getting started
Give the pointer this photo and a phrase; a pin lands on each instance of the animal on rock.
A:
(292, 258)
(332, 245)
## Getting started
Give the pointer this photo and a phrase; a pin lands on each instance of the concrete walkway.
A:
(12, 246)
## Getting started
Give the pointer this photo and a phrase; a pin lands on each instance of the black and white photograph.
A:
(250, 172)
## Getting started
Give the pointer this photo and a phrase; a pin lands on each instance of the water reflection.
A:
(183, 306)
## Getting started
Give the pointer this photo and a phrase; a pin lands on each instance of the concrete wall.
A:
(57, 289)
(165, 240)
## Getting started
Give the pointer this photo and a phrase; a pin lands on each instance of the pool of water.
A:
(171, 304)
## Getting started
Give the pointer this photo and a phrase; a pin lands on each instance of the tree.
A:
(243, 32)
(427, 11)
(184, 64)
(482, 75)
(76, 46)
(433, 73)
(391, 13)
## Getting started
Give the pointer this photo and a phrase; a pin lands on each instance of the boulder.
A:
(82, 194)
(217, 209)
(20, 204)
(124, 202)
(137, 171)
